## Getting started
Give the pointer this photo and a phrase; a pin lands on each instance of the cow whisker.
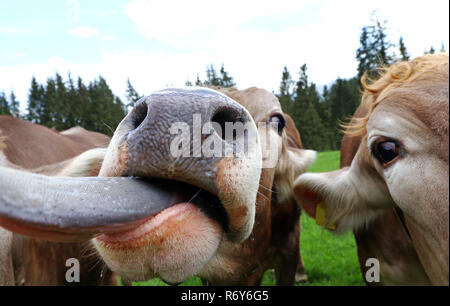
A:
(263, 196)
(196, 194)
(268, 189)
(110, 128)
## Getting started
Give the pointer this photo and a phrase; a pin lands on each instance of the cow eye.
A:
(278, 121)
(387, 152)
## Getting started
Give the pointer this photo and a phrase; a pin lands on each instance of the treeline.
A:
(214, 78)
(62, 104)
(318, 116)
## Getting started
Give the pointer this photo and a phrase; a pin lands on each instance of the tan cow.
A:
(28, 261)
(233, 216)
(86, 139)
(401, 162)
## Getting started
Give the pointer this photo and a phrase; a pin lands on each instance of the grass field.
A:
(330, 260)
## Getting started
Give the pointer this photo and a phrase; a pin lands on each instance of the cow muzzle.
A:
(198, 137)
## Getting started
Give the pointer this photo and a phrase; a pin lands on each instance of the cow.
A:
(385, 238)
(86, 139)
(238, 218)
(31, 147)
(393, 189)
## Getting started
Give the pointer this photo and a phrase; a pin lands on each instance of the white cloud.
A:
(84, 32)
(186, 23)
(256, 56)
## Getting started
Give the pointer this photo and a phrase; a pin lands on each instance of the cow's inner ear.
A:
(308, 198)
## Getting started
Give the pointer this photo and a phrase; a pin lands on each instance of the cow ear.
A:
(294, 162)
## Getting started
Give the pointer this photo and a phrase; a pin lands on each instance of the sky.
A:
(164, 43)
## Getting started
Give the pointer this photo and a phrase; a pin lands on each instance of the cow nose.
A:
(157, 121)
(156, 111)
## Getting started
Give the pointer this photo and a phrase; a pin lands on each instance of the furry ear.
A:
(346, 197)
(86, 164)
(290, 166)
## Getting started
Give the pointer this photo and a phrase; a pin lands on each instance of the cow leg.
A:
(6, 266)
(300, 274)
(287, 267)
(285, 272)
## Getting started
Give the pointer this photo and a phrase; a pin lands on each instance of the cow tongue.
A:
(76, 209)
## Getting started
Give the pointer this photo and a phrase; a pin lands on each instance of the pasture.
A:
(330, 260)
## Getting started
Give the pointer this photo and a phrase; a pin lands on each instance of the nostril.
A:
(222, 117)
(139, 113)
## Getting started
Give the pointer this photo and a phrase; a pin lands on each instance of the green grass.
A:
(330, 260)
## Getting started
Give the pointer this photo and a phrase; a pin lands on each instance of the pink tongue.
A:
(168, 217)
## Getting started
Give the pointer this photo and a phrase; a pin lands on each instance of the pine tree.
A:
(73, 113)
(14, 105)
(211, 77)
(49, 105)
(226, 80)
(286, 91)
(403, 52)
(35, 102)
(442, 48)
(61, 108)
(364, 54)
(381, 44)
(107, 110)
(131, 94)
(344, 99)
(198, 82)
(4, 107)
(188, 83)
(305, 115)
(84, 107)
(374, 49)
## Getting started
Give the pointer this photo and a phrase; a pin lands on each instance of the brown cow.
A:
(241, 218)
(29, 261)
(86, 139)
(401, 164)
(385, 238)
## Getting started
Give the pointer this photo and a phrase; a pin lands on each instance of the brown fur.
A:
(34, 261)
(274, 242)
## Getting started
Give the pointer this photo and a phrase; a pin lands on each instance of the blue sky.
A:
(160, 43)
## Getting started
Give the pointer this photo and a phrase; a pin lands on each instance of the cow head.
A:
(402, 161)
(167, 138)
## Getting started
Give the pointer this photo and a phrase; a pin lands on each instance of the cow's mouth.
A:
(189, 199)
